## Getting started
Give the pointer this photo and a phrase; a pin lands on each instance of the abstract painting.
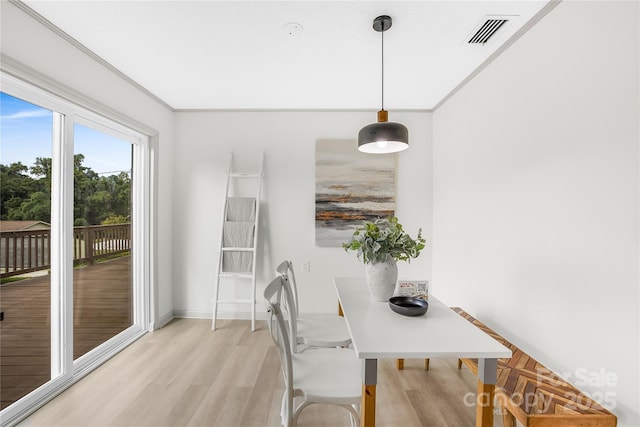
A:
(351, 187)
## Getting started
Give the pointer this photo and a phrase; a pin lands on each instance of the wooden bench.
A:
(529, 392)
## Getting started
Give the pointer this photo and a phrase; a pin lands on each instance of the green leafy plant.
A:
(376, 241)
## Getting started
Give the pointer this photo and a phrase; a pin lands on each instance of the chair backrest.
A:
(279, 292)
(280, 335)
(286, 269)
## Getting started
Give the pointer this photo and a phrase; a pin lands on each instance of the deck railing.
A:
(27, 251)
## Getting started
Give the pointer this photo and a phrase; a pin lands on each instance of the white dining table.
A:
(377, 332)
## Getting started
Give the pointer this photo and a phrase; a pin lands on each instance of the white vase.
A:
(381, 279)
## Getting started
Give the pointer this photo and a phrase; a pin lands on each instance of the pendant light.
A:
(384, 136)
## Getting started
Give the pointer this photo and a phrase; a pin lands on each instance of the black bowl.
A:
(408, 306)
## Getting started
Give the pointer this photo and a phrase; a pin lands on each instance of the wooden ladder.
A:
(229, 250)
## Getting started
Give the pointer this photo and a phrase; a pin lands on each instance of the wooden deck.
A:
(102, 309)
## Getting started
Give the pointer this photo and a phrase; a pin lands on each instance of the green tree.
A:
(16, 187)
(120, 188)
(37, 208)
(95, 198)
(84, 186)
(42, 168)
(115, 219)
(97, 207)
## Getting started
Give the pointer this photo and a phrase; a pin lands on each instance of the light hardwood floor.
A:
(186, 375)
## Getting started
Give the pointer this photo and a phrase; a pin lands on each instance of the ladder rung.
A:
(235, 301)
(238, 275)
(244, 175)
(231, 249)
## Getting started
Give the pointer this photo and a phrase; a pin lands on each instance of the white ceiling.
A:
(239, 54)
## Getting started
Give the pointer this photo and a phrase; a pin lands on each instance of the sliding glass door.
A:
(102, 279)
(74, 255)
(26, 132)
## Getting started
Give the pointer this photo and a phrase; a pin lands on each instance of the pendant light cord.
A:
(382, 56)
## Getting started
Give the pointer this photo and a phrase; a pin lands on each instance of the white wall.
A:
(288, 204)
(536, 195)
(28, 41)
(536, 188)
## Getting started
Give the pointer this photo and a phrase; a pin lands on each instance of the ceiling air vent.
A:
(486, 30)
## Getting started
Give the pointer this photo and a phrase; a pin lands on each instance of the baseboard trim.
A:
(226, 315)
(162, 321)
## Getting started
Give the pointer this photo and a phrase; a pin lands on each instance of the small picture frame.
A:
(413, 288)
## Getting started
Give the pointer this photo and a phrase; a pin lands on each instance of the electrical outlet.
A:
(306, 266)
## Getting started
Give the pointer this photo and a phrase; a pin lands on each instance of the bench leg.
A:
(508, 420)
(459, 363)
(400, 364)
(426, 364)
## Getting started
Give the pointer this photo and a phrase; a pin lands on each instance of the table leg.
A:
(487, 372)
(368, 405)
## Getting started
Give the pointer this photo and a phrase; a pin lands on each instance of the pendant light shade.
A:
(384, 136)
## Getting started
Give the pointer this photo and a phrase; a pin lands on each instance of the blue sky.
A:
(25, 133)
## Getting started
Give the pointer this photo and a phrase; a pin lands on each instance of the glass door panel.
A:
(69, 195)
(102, 276)
(26, 133)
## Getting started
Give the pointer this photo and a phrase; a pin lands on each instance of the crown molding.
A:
(75, 43)
(20, 71)
(298, 110)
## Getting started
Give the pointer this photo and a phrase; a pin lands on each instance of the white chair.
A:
(313, 329)
(316, 376)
